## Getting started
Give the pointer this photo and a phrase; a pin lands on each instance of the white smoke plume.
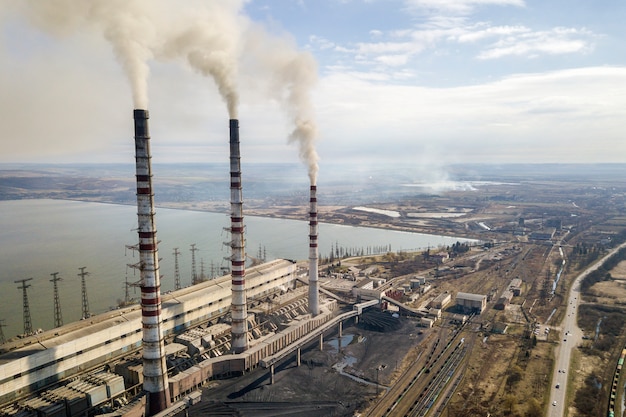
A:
(125, 24)
(208, 39)
(205, 34)
(299, 75)
(291, 76)
(209, 35)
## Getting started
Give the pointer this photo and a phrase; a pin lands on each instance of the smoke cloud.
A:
(290, 75)
(125, 24)
(299, 75)
(209, 36)
(208, 39)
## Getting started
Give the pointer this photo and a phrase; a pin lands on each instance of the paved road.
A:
(571, 336)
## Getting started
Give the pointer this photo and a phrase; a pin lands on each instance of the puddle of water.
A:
(345, 362)
(346, 339)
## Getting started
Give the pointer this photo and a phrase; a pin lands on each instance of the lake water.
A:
(41, 237)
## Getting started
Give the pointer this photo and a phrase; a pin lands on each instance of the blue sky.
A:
(424, 82)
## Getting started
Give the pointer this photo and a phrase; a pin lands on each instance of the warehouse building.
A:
(471, 303)
(442, 300)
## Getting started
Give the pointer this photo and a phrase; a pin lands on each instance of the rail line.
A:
(423, 380)
(435, 386)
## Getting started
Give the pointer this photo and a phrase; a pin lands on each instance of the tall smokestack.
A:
(238, 308)
(314, 308)
(154, 367)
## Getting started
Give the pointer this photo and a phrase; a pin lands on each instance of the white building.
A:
(471, 303)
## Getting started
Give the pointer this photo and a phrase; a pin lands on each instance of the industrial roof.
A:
(472, 297)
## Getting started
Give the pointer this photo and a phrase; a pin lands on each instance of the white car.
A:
(553, 402)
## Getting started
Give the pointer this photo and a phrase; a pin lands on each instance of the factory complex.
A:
(33, 363)
(95, 365)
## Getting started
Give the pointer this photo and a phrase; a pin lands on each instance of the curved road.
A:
(571, 335)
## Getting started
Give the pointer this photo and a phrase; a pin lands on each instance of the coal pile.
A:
(379, 321)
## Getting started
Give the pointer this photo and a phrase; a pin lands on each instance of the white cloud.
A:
(320, 43)
(384, 47)
(542, 117)
(459, 6)
(471, 35)
(554, 42)
(443, 34)
(393, 60)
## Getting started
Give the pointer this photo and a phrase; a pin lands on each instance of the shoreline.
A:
(297, 213)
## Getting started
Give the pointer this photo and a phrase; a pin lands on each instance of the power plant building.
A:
(32, 363)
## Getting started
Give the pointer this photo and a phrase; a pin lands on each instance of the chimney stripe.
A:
(154, 368)
(313, 254)
(239, 329)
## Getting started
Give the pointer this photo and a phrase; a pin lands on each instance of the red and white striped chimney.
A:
(238, 308)
(314, 308)
(154, 367)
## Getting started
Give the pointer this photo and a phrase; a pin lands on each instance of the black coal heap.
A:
(379, 321)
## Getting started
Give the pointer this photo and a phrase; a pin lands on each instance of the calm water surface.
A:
(40, 237)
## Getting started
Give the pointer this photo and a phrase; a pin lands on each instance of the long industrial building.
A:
(38, 361)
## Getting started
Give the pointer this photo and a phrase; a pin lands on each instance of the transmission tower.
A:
(2, 339)
(127, 285)
(202, 274)
(28, 325)
(131, 248)
(176, 270)
(58, 319)
(126, 290)
(82, 276)
(194, 275)
(212, 269)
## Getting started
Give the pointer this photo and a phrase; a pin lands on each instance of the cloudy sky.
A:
(414, 81)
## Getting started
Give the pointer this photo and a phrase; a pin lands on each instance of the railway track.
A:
(427, 398)
(419, 387)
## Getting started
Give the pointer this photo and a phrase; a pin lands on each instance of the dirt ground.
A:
(318, 381)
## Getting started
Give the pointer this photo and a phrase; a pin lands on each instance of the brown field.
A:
(619, 272)
(485, 387)
(610, 291)
(583, 365)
